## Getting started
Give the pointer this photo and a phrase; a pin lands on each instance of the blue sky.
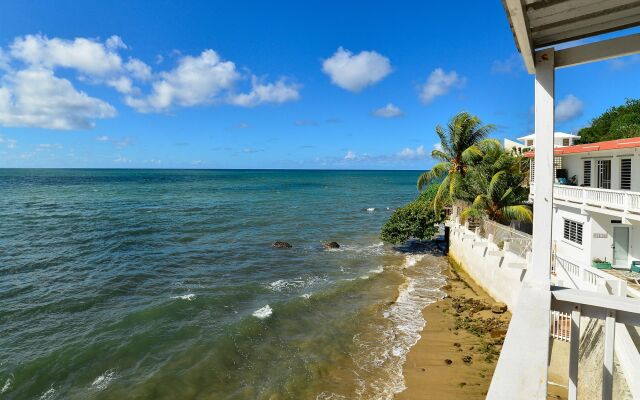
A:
(279, 84)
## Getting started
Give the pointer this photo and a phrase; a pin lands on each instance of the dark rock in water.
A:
(282, 245)
(448, 362)
(466, 359)
(499, 308)
(331, 245)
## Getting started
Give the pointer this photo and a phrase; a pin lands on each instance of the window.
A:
(625, 174)
(532, 170)
(573, 231)
(586, 177)
(604, 174)
(529, 142)
(557, 164)
(565, 142)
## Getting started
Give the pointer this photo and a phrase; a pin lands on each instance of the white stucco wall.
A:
(574, 164)
(491, 272)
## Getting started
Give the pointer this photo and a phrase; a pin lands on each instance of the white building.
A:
(560, 139)
(596, 202)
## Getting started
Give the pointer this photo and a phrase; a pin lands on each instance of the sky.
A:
(277, 84)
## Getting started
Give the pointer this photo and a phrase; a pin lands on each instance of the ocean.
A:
(163, 284)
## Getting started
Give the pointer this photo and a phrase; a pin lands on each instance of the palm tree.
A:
(498, 179)
(458, 151)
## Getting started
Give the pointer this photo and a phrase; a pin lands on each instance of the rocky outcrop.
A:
(331, 245)
(281, 245)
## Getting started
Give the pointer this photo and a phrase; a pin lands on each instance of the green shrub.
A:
(416, 220)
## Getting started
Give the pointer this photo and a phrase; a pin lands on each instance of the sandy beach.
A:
(459, 346)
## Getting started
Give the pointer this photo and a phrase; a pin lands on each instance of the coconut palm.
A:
(458, 151)
(498, 179)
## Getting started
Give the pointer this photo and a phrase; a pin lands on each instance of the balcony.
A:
(622, 203)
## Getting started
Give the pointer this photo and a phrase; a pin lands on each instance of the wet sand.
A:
(459, 346)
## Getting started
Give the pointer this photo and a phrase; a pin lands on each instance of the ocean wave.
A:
(371, 209)
(188, 297)
(7, 385)
(388, 349)
(102, 381)
(306, 295)
(48, 395)
(263, 312)
(282, 285)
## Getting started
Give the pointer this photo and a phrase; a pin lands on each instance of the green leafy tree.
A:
(416, 220)
(616, 123)
(458, 151)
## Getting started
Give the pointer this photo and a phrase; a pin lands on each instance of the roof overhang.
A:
(618, 144)
(538, 24)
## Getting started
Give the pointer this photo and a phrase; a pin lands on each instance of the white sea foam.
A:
(188, 297)
(371, 209)
(48, 395)
(263, 312)
(377, 270)
(7, 385)
(102, 381)
(387, 350)
(283, 284)
(306, 295)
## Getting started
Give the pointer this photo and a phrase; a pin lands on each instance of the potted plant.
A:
(601, 264)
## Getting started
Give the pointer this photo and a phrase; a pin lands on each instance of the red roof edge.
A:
(617, 144)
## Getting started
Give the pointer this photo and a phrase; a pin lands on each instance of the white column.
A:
(538, 272)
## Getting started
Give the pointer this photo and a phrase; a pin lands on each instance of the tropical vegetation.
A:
(416, 220)
(474, 173)
(616, 123)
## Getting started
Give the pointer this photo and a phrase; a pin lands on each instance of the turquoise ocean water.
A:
(162, 284)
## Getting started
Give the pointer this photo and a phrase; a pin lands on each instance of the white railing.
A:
(561, 326)
(620, 200)
(616, 311)
(574, 275)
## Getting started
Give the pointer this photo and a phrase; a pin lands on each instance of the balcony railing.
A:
(620, 200)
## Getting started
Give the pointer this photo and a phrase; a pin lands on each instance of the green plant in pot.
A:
(601, 264)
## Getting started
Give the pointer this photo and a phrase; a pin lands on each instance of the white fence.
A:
(621, 200)
(519, 243)
(561, 326)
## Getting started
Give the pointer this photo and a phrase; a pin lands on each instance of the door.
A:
(604, 174)
(620, 246)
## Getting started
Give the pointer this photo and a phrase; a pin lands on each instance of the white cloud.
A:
(437, 146)
(511, 65)
(195, 81)
(350, 156)
(122, 84)
(85, 55)
(36, 98)
(278, 92)
(138, 69)
(9, 143)
(388, 111)
(355, 72)
(616, 64)
(569, 108)
(115, 42)
(410, 154)
(121, 160)
(102, 138)
(49, 146)
(439, 83)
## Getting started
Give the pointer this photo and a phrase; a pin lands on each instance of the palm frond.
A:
(436, 172)
(519, 212)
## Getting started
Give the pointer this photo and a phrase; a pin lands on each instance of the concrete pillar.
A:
(543, 199)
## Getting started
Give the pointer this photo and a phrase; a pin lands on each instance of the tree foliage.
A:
(498, 184)
(459, 151)
(415, 220)
(616, 123)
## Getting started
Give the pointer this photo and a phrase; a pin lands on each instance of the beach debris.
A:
(456, 344)
(423, 369)
(331, 245)
(499, 308)
(467, 359)
(281, 245)
(448, 362)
